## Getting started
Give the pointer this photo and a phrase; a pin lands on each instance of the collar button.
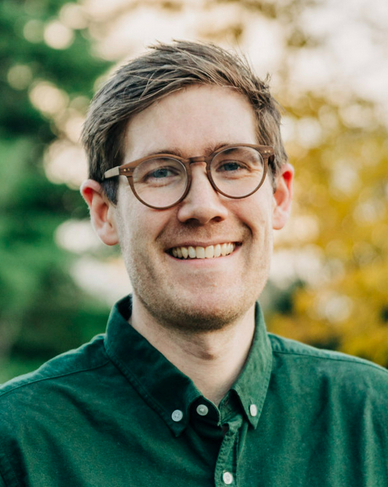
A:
(253, 410)
(227, 477)
(177, 415)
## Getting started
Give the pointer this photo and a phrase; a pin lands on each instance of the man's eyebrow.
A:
(171, 150)
(176, 151)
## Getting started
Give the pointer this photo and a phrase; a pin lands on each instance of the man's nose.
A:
(202, 202)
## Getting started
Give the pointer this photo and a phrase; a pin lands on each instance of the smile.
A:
(210, 252)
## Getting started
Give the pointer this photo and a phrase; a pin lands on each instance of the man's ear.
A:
(101, 212)
(283, 196)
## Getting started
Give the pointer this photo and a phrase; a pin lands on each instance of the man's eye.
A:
(162, 175)
(163, 172)
(231, 166)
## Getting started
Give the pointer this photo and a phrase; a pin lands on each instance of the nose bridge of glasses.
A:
(200, 160)
(196, 159)
(198, 182)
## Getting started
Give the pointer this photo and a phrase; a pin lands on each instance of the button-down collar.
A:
(164, 387)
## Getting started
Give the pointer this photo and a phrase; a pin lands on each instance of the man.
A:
(189, 176)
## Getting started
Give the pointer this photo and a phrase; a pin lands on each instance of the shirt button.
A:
(253, 409)
(177, 415)
(227, 478)
(202, 410)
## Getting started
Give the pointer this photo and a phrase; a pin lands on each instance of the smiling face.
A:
(202, 264)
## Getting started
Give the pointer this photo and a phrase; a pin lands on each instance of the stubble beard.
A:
(178, 309)
(188, 316)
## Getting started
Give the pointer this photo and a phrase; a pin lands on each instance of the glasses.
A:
(163, 180)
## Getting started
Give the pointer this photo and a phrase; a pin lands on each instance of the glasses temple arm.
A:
(111, 173)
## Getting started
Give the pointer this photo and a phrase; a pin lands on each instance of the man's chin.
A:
(198, 316)
(197, 322)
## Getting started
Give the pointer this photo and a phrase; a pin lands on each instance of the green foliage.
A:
(42, 311)
(341, 194)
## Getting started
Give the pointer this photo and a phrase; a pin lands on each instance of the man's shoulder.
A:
(295, 350)
(333, 368)
(87, 358)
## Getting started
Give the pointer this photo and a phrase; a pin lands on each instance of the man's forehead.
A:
(195, 121)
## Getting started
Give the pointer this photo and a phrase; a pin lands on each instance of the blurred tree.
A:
(46, 71)
(342, 196)
(335, 291)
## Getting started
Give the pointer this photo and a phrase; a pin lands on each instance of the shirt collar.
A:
(167, 390)
(252, 384)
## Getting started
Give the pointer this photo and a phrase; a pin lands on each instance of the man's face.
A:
(201, 293)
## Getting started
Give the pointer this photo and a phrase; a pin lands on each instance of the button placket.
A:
(225, 472)
(202, 410)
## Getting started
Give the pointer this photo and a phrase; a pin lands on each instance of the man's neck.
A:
(213, 360)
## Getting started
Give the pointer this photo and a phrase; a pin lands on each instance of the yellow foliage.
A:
(343, 184)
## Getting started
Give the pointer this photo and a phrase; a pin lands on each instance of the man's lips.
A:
(201, 252)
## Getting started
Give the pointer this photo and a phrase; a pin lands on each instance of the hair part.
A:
(163, 70)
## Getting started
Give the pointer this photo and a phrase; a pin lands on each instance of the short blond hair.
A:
(164, 69)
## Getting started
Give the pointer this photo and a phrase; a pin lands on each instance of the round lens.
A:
(160, 182)
(238, 171)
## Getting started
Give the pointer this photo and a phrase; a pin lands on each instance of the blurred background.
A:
(328, 62)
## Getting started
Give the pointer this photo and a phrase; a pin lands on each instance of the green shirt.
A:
(116, 412)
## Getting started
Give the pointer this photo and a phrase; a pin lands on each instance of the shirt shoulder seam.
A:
(53, 377)
(336, 358)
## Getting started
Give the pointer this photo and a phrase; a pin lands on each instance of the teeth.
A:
(209, 252)
(200, 252)
(217, 250)
(203, 252)
(192, 252)
(185, 252)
